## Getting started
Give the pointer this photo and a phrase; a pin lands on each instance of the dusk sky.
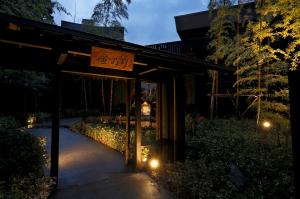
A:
(150, 21)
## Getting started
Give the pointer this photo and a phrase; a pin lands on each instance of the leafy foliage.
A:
(21, 165)
(39, 10)
(220, 30)
(263, 71)
(264, 50)
(9, 122)
(110, 12)
(31, 80)
(222, 148)
(112, 136)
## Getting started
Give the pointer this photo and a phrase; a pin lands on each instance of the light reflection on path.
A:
(82, 160)
(90, 170)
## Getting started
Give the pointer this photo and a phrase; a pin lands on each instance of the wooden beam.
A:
(56, 95)
(138, 128)
(108, 75)
(127, 104)
(20, 44)
(62, 58)
(294, 92)
(148, 71)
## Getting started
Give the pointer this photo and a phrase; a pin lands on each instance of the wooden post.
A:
(55, 124)
(164, 112)
(158, 111)
(178, 118)
(127, 103)
(138, 129)
(294, 92)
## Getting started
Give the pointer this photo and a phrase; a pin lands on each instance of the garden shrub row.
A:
(230, 159)
(111, 135)
(22, 160)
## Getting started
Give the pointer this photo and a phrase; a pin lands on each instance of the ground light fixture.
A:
(154, 163)
(266, 124)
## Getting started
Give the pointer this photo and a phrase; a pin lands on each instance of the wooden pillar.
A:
(56, 94)
(158, 111)
(164, 112)
(178, 118)
(138, 129)
(294, 92)
(127, 103)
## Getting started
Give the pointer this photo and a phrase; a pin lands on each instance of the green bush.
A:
(9, 122)
(221, 145)
(112, 136)
(20, 154)
(21, 165)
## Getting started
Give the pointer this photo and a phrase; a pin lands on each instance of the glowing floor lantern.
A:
(146, 109)
(154, 163)
(266, 124)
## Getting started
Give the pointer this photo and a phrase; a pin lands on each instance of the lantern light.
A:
(266, 124)
(146, 109)
(154, 163)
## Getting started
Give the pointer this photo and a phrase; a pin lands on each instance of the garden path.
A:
(89, 170)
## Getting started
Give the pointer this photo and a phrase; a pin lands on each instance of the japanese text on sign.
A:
(113, 59)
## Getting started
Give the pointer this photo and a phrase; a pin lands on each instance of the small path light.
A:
(266, 124)
(154, 163)
(30, 121)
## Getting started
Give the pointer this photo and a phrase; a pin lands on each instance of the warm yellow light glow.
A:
(146, 109)
(266, 124)
(145, 160)
(154, 163)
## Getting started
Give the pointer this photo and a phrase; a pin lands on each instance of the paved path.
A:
(89, 170)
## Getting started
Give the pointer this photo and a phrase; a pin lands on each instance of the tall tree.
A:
(39, 10)
(110, 12)
(240, 19)
(270, 48)
(220, 44)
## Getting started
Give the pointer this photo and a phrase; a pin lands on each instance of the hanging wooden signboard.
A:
(112, 59)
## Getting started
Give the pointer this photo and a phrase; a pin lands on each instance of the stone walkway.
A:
(89, 170)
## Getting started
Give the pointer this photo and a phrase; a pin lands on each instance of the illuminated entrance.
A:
(36, 46)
